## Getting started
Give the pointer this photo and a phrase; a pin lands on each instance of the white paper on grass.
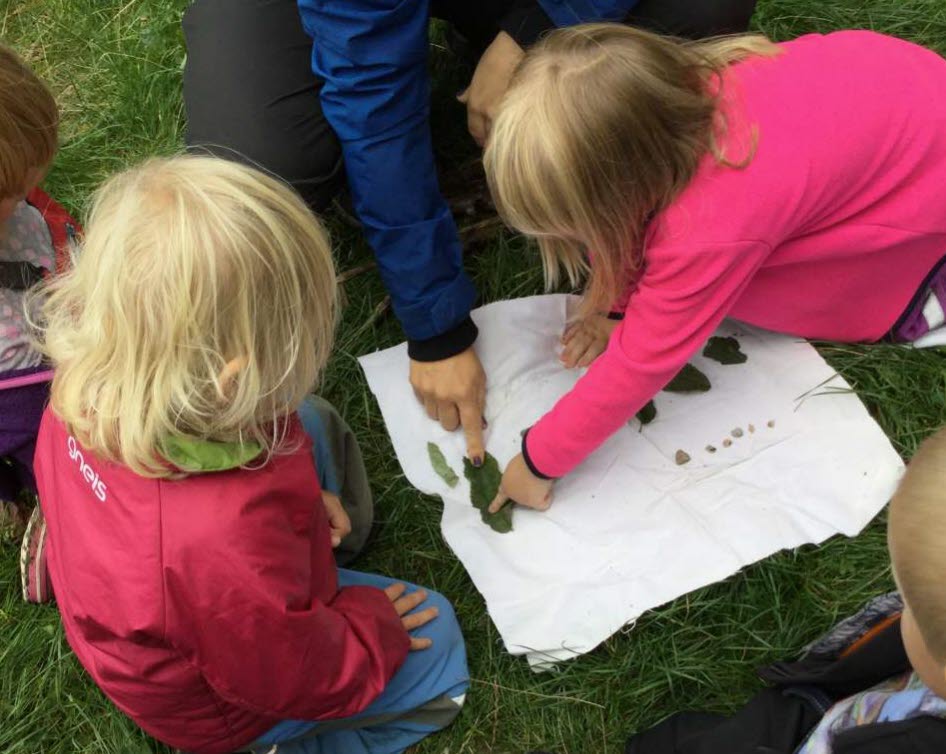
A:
(630, 530)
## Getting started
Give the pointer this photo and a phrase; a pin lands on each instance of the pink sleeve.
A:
(680, 301)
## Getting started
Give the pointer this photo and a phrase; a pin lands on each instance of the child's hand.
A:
(522, 486)
(585, 340)
(338, 519)
(404, 604)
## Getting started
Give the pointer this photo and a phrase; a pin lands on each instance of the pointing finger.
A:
(471, 417)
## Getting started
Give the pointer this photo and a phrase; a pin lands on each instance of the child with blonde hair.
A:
(34, 240)
(189, 529)
(876, 683)
(800, 187)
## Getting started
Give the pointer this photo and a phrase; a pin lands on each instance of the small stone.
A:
(771, 423)
(751, 428)
(682, 457)
(727, 442)
(737, 432)
(710, 449)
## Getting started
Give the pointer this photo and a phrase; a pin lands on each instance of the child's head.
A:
(917, 537)
(202, 304)
(29, 121)
(602, 126)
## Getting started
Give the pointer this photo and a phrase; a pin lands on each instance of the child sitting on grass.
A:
(877, 683)
(34, 232)
(190, 545)
(799, 187)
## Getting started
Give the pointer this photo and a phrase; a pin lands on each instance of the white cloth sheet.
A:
(630, 530)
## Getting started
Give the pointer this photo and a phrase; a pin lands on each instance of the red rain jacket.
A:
(208, 608)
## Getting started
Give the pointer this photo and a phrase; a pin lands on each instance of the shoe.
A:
(34, 576)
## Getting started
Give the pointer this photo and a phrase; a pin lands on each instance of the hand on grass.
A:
(521, 486)
(404, 604)
(585, 340)
(488, 85)
(338, 519)
(453, 392)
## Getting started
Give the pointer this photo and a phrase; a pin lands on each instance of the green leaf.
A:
(689, 380)
(647, 414)
(441, 466)
(484, 486)
(724, 350)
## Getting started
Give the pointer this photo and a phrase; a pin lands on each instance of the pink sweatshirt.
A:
(828, 233)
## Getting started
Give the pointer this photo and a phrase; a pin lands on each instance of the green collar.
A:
(196, 456)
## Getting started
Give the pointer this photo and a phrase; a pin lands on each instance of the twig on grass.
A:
(480, 231)
(344, 277)
(379, 311)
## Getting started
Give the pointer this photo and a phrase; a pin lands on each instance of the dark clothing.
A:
(250, 91)
(779, 719)
(21, 409)
(25, 392)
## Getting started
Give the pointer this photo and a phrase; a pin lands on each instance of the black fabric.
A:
(771, 723)
(882, 657)
(525, 21)
(923, 735)
(445, 345)
(694, 20)
(250, 93)
(478, 23)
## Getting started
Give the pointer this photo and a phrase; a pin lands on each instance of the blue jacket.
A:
(372, 55)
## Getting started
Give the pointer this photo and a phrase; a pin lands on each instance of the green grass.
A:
(116, 66)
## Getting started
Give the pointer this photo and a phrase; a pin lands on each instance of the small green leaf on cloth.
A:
(441, 466)
(647, 414)
(724, 350)
(484, 486)
(688, 380)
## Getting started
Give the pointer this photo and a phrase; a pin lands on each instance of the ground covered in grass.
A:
(116, 66)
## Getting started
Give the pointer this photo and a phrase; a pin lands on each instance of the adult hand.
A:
(338, 519)
(404, 604)
(585, 340)
(453, 392)
(488, 85)
(522, 486)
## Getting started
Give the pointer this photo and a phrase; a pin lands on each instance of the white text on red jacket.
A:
(90, 474)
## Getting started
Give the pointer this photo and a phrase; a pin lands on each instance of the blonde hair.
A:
(603, 125)
(917, 532)
(29, 123)
(189, 263)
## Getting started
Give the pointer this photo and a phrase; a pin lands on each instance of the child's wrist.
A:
(536, 472)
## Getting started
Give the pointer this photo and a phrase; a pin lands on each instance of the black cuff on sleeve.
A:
(525, 457)
(525, 22)
(446, 344)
